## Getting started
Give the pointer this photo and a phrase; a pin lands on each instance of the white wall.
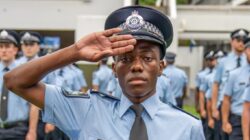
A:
(192, 60)
(51, 14)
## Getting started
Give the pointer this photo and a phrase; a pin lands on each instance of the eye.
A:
(125, 59)
(147, 59)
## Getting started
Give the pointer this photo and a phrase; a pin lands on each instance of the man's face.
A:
(211, 62)
(237, 45)
(137, 71)
(30, 49)
(8, 51)
(247, 51)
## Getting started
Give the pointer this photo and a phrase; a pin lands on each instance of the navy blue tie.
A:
(4, 100)
(139, 130)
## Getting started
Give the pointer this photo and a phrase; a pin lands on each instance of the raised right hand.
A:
(98, 45)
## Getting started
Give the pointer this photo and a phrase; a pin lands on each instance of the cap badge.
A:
(241, 33)
(26, 35)
(134, 22)
(4, 34)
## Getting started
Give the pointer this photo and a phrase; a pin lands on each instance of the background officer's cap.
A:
(9, 36)
(144, 24)
(210, 55)
(247, 42)
(30, 37)
(170, 56)
(219, 54)
(239, 34)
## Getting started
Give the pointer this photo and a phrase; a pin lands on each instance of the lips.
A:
(137, 80)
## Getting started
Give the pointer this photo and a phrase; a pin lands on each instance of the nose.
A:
(137, 65)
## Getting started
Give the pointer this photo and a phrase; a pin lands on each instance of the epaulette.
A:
(163, 74)
(175, 107)
(74, 94)
(104, 95)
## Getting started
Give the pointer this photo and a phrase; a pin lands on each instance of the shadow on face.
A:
(137, 71)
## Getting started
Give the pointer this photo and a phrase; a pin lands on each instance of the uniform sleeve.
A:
(229, 85)
(197, 80)
(197, 132)
(67, 113)
(218, 73)
(246, 95)
(204, 86)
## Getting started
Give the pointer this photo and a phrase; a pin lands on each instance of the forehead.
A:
(146, 46)
(7, 44)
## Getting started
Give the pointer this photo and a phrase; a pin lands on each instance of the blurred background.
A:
(199, 26)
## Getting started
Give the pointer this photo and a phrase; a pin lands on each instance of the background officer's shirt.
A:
(178, 79)
(18, 108)
(199, 77)
(235, 86)
(207, 84)
(226, 65)
(106, 118)
(101, 77)
(80, 79)
(163, 90)
(114, 87)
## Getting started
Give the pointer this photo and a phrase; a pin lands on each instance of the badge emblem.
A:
(134, 22)
(4, 34)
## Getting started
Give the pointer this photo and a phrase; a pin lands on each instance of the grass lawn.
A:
(191, 110)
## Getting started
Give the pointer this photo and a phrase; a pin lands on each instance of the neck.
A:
(140, 99)
(7, 62)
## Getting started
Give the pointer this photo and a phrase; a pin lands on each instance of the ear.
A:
(161, 67)
(114, 68)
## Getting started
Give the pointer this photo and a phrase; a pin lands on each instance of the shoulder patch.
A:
(74, 94)
(175, 107)
(104, 95)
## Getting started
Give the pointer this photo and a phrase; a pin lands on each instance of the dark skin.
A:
(24, 80)
(137, 71)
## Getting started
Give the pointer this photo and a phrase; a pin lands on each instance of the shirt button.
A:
(4, 98)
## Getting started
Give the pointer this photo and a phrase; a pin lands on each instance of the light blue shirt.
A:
(114, 87)
(235, 86)
(199, 77)
(207, 84)
(226, 65)
(164, 90)
(246, 96)
(101, 78)
(79, 76)
(178, 79)
(98, 116)
(18, 108)
(24, 59)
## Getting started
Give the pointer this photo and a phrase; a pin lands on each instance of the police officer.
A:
(102, 76)
(205, 97)
(232, 61)
(198, 80)
(233, 103)
(139, 114)
(163, 89)
(178, 79)
(14, 111)
(246, 97)
(245, 114)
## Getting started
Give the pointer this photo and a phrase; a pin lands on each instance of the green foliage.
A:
(191, 110)
(147, 2)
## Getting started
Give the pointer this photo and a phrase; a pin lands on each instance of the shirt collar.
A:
(150, 105)
(11, 66)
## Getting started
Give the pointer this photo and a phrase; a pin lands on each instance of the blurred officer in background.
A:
(102, 76)
(138, 63)
(232, 61)
(178, 79)
(16, 119)
(232, 106)
(205, 97)
(198, 80)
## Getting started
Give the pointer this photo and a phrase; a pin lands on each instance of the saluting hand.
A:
(98, 45)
